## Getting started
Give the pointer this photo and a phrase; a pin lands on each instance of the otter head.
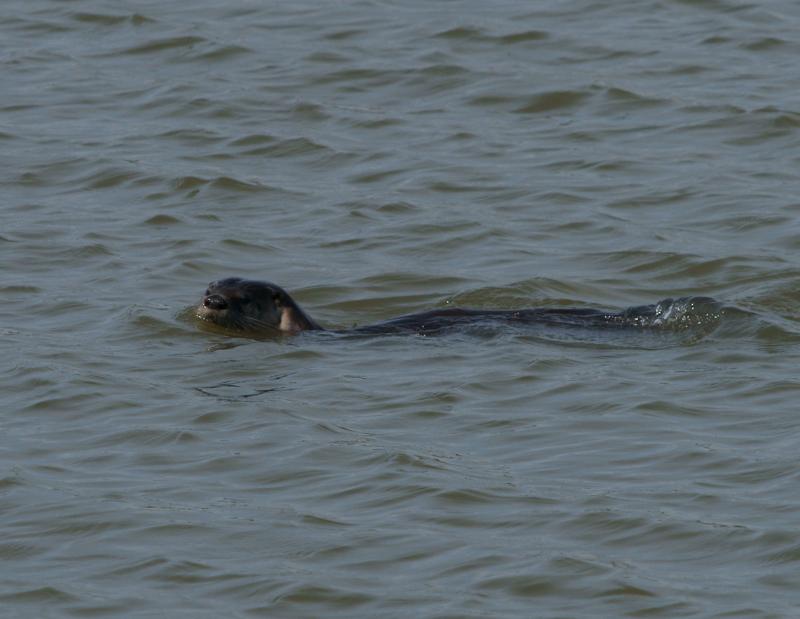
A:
(252, 306)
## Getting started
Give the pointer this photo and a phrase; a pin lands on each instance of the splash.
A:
(683, 313)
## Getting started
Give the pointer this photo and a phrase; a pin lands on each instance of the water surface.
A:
(375, 159)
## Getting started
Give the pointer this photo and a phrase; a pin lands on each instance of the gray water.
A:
(377, 158)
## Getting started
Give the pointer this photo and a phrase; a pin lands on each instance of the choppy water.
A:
(378, 158)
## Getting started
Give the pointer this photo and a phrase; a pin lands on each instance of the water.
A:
(379, 158)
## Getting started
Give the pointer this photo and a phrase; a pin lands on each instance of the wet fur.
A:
(264, 308)
(253, 306)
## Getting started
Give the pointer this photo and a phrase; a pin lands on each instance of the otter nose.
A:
(215, 301)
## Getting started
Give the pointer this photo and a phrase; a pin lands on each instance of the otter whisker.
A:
(249, 322)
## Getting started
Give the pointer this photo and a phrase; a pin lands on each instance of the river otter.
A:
(262, 308)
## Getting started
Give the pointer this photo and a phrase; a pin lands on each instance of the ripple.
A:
(526, 585)
(443, 70)
(148, 437)
(224, 52)
(626, 98)
(192, 184)
(192, 137)
(162, 220)
(19, 550)
(160, 45)
(293, 147)
(39, 595)
(37, 26)
(108, 178)
(460, 32)
(230, 391)
(763, 44)
(326, 58)
(343, 35)
(19, 289)
(106, 19)
(255, 139)
(376, 176)
(524, 36)
(316, 595)
(553, 101)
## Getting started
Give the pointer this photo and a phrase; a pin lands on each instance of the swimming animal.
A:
(261, 308)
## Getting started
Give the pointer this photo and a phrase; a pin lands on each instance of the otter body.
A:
(262, 308)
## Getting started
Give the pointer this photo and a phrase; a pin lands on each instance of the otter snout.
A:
(215, 302)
